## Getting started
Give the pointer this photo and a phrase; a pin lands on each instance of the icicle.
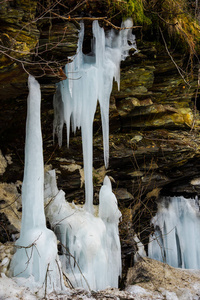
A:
(127, 38)
(90, 79)
(176, 240)
(36, 249)
(93, 242)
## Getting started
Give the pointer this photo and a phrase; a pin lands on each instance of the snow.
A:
(21, 288)
(137, 290)
(187, 287)
(176, 240)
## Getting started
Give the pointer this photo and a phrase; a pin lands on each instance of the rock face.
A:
(29, 42)
(154, 118)
(162, 281)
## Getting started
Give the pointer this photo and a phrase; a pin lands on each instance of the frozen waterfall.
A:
(90, 79)
(176, 239)
(91, 250)
(36, 249)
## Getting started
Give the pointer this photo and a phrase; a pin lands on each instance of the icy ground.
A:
(11, 290)
(154, 280)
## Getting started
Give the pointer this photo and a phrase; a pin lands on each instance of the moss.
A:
(174, 17)
(129, 8)
(135, 9)
(186, 26)
(178, 20)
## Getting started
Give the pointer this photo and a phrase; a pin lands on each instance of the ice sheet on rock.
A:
(176, 239)
(36, 249)
(90, 79)
(91, 252)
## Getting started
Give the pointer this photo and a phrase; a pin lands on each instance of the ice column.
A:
(90, 79)
(36, 249)
(110, 214)
(176, 239)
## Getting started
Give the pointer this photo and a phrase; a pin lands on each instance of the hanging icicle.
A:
(90, 79)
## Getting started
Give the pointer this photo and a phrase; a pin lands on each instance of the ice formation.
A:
(91, 251)
(141, 251)
(176, 239)
(36, 249)
(92, 241)
(90, 79)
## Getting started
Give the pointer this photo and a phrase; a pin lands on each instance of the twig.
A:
(68, 281)
(64, 219)
(177, 67)
(195, 100)
(28, 247)
(93, 19)
(10, 203)
(51, 154)
(45, 291)
(121, 28)
(156, 13)
(76, 264)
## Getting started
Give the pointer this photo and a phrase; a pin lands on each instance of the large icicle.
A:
(176, 239)
(36, 249)
(90, 78)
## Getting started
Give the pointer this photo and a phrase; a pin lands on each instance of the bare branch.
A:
(177, 67)
(68, 253)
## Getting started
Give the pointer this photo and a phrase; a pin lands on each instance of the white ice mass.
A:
(91, 252)
(90, 79)
(36, 249)
(176, 239)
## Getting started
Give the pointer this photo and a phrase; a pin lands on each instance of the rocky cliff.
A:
(154, 118)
